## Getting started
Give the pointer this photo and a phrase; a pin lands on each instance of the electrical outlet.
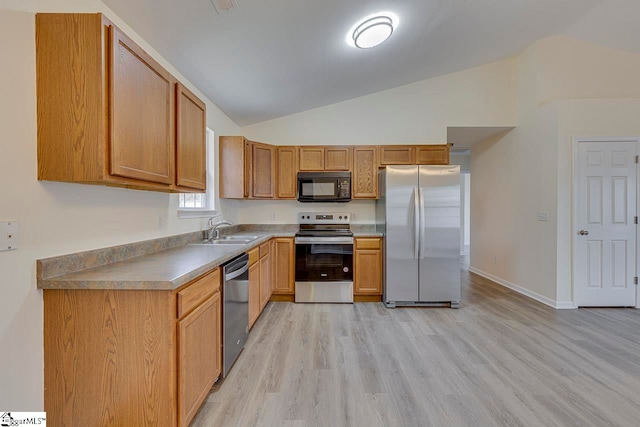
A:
(9, 235)
(495, 260)
(160, 222)
(543, 216)
(273, 215)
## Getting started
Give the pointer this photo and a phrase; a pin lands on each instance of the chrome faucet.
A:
(213, 228)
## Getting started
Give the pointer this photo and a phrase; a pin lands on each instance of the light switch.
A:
(543, 216)
(8, 235)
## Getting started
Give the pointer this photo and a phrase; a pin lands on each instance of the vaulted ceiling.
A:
(271, 58)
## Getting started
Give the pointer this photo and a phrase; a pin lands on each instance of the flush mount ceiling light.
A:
(372, 30)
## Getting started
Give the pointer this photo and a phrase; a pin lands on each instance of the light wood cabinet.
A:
(156, 366)
(265, 274)
(414, 154)
(284, 283)
(247, 169)
(106, 110)
(235, 162)
(325, 158)
(191, 140)
(432, 154)
(263, 171)
(287, 179)
(367, 270)
(364, 183)
(254, 292)
(199, 360)
(397, 155)
(338, 158)
(311, 158)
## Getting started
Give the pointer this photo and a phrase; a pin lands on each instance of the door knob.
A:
(583, 232)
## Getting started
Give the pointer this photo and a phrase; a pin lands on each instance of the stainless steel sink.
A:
(229, 240)
(249, 238)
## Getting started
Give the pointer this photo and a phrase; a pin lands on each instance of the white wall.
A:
(56, 218)
(418, 113)
(590, 118)
(514, 177)
(530, 168)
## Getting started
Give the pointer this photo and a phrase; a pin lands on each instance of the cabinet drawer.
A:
(366, 243)
(264, 249)
(254, 255)
(194, 294)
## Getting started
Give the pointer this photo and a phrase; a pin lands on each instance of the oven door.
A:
(323, 260)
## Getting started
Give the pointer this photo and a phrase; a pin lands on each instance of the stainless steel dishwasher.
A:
(235, 310)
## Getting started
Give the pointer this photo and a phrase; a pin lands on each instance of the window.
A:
(195, 205)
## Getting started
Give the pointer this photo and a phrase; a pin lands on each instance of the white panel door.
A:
(605, 242)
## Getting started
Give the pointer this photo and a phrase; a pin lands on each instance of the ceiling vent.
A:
(223, 6)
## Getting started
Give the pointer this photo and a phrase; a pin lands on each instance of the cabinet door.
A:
(246, 172)
(311, 158)
(285, 266)
(338, 158)
(365, 173)
(263, 170)
(397, 155)
(432, 154)
(142, 114)
(367, 275)
(287, 180)
(254, 293)
(199, 362)
(265, 280)
(191, 149)
(232, 163)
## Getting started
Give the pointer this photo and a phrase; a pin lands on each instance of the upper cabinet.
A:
(191, 150)
(311, 158)
(325, 158)
(247, 168)
(397, 155)
(107, 110)
(432, 154)
(414, 155)
(364, 181)
(263, 170)
(287, 179)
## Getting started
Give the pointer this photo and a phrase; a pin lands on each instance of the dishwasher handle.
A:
(243, 267)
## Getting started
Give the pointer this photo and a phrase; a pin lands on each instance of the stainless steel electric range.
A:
(324, 258)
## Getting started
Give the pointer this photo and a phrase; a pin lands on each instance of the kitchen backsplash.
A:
(286, 211)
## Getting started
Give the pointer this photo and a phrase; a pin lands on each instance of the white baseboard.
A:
(559, 305)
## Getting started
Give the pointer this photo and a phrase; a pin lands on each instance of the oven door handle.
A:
(324, 240)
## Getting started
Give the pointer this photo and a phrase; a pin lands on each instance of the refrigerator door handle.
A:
(423, 223)
(416, 223)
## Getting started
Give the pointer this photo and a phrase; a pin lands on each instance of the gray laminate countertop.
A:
(164, 270)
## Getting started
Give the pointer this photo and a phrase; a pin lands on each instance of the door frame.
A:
(574, 213)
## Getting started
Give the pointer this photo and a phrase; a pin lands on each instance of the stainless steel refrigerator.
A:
(419, 213)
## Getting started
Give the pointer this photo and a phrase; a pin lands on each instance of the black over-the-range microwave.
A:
(324, 186)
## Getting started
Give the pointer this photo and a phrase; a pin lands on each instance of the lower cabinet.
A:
(367, 269)
(199, 360)
(265, 274)
(284, 277)
(131, 357)
(254, 285)
(260, 279)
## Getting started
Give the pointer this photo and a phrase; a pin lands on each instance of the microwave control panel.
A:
(344, 188)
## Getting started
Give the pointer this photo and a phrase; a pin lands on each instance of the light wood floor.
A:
(501, 359)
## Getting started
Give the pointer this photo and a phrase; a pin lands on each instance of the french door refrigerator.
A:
(419, 213)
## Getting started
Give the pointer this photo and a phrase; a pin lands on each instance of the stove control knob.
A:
(345, 269)
(340, 216)
(346, 217)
